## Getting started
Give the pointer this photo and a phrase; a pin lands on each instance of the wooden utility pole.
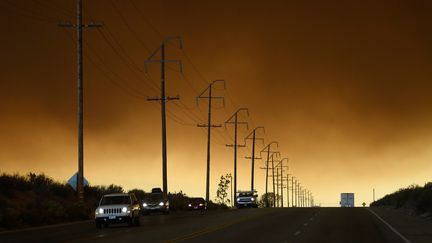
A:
(163, 99)
(304, 197)
(301, 197)
(253, 138)
(277, 187)
(80, 92)
(234, 120)
(273, 177)
(297, 193)
(281, 167)
(288, 187)
(267, 150)
(292, 191)
(209, 126)
(80, 103)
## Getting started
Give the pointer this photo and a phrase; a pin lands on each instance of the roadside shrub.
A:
(12, 218)
(36, 199)
(213, 205)
(178, 200)
(414, 197)
(33, 200)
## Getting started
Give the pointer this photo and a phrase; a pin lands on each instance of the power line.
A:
(25, 12)
(183, 51)
(202, 77)
(142, 16)
(132, 92)
(128, 26)
(57, 9)
(127, 60)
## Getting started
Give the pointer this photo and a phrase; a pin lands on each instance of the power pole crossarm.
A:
(212, 126)
(235, 145)
(166, 98)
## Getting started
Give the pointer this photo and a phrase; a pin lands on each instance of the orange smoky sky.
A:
(344, 87)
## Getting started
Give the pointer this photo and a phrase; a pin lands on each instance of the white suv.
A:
(117, 208)
(247, 199)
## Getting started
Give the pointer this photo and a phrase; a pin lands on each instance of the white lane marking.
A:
(297, 233)
(391, 227)
(101, 235)
(305, 224)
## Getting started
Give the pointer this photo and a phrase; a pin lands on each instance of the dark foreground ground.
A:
(249, 225)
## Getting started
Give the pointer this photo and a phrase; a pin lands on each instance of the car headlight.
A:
(190, 205)
(201, 204)
(100, 210)
(252, 199)
(161, 203)
(238, 199)
(144, 204)
(124, 209)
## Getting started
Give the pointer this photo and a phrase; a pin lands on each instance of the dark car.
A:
(197, 203)
(156, 201)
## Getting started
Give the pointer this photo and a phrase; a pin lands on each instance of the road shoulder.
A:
(413, 228)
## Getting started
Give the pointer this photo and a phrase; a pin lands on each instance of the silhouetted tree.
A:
(140, 194)
(221, 193)
(263, 200)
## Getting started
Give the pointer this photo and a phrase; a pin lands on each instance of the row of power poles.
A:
(303, 197)
(282, 180)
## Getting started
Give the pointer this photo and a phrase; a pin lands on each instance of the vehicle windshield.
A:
(245, 194)
(197, 200)
(115, 200)
(154, 197)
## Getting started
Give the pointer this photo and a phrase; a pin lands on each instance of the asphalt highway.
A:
(331, 225)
